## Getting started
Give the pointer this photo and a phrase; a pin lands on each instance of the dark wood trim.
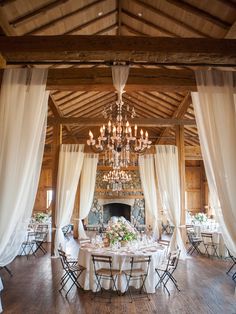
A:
(157, 50)
(146, 122)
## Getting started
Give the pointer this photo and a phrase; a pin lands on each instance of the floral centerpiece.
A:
(41, 217)
(200, 217)
(120, 230)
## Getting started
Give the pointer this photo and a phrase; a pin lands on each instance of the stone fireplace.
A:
(103, 209)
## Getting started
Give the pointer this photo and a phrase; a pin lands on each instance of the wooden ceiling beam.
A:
(200, 13)
(179, 113)
(42, 10)
(135, 49)
(146, 122)
(106, 29)
(132, 30)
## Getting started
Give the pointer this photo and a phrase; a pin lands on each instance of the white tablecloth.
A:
(217, 238)
(121, 261)
(1, 288)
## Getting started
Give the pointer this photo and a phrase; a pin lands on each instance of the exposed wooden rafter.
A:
(200, 13)
(157, 50)
(146, 122)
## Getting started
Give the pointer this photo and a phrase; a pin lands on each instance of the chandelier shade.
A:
(116, 178)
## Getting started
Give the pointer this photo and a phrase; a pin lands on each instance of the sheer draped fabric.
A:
(23, 113)
(70, 164)
(147, 175)
(167, 170)
(215, 110)
(120, 75)
(87, 186)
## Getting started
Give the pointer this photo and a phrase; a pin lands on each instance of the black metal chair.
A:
(209, 244)
(40, 239)
(139, 267)
(166, 270)
(103, 271)
(28, 247)
(233, 258)
(7, 270)
(194, 242)
(71, 271)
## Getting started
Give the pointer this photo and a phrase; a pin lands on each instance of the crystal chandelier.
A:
(118, 137)
(116, 178)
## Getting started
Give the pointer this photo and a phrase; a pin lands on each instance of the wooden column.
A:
(55, 159)
(76, 213)
(202, 187)
(181, 154)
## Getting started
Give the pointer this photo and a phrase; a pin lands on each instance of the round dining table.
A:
(120, 260)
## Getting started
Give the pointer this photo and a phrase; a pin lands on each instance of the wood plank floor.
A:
(33, 289)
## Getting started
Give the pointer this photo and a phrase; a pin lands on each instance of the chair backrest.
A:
(143, 261)
(173, 259)
(104, 259)
(30, 237)
(42, 228)
(40, 235)
(63, 258)
(164, 242)
(207, 237)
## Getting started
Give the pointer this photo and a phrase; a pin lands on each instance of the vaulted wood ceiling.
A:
(167, 18)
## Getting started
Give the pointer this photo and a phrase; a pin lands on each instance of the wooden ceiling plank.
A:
(106, 29)
(92, 21)
(147, 104)
(146, 122)
(6, 2)
(200, 13)
(151, 50)
(42, 10)
(132, 30)
(159, 100)
(171, 18)
(178, 114)
(156, 27)
(56, 111)
(119, 6)
(68, 15)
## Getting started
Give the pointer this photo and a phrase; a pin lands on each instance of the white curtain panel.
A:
(70, 164)
(167, 169)
(87, 187)
(215, 110)
(120, 75)
(23, 113)
(147, 175)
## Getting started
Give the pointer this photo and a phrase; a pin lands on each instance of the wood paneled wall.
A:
(196, 188)
(45, 183)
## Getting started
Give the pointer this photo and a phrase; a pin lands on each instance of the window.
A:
(49, 198)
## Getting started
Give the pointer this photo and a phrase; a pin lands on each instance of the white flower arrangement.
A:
(201, 217)
(119, 230)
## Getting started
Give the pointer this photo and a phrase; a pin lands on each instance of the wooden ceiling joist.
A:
(146, 122)
(149, 50)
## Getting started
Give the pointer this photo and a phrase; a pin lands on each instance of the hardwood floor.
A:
(33, 289)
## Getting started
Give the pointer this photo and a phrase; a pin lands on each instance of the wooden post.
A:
(202, 187)
(55, 160)
(181, 155)
(76, 213)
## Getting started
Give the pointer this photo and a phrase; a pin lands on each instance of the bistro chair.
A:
(40, 238)
(28, 246)
(209, 244)
(71, 271)
(166, 270)
(7, 270)
(139, 267)
(194, 242)
(103, 271)
(233, 258)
